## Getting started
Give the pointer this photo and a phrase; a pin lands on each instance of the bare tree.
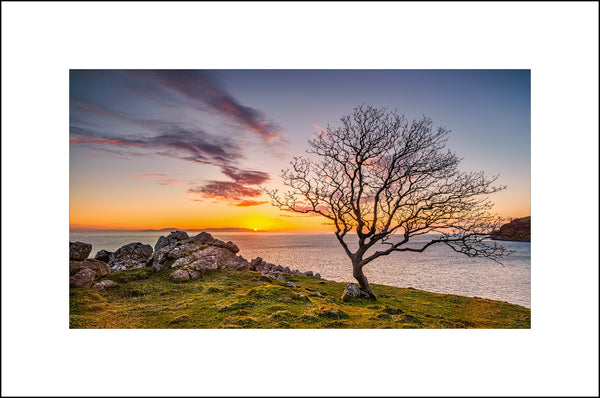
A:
(380, 175)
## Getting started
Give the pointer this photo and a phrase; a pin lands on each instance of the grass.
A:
(245, 299)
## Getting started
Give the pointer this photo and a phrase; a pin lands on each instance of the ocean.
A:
(438, 269)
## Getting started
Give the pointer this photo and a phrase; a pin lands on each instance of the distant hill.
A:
(201, 229)
(165, 230)
(518, 229)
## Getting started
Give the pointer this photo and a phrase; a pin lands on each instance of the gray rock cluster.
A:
(187, 256)
(83, 271)
(133, 255)
(258, 264)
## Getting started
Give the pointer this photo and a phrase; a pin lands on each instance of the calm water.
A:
(438, 269)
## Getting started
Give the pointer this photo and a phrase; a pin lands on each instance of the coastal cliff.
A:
(518, 230)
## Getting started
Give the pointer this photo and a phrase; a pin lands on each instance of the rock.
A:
(79, 250)
(173, 237)
(317, 275)
(257, 262)
(103, 255)
(100, 268)
(180, 275)
(280, 278)
(353, 292)
(133, 255)
(318, 294)
(83, 278)
(308, 273)
(178, 250)
(291, 284)
(105, 284)
(194, 274)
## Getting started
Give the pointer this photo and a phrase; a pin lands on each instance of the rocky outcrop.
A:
(133, 255)
(100, 268)
(352, 292)
(518, 230)
(200, 253)
(79, 250)
(187, 256)
(258, 264)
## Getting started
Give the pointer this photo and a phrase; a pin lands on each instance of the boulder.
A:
(103, 255)
(280, 278)
(200, 253)
(79, 250)
(180, 275)
(291, 284)
(100, 268)
(105, 284)
(353, 292)
(173, 237)
(133, 255)
(83, 278)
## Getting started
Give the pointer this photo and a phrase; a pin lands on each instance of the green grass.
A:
(246, 299)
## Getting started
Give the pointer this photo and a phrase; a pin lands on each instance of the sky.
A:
(153, 149)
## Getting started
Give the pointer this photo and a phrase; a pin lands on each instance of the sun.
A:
(255, 229)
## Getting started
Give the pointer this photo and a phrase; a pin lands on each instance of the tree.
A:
(380, 175)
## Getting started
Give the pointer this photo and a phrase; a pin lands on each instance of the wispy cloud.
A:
(251, 177)
(234, 193)
(205, 92)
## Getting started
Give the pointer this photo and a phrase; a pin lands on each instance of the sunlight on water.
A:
(438, 269)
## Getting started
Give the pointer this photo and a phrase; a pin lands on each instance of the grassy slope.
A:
(245, 299)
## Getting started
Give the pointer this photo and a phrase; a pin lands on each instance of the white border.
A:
(42, 41)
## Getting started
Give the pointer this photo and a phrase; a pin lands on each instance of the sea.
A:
(438, 269)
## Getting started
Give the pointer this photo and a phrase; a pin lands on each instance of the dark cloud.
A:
(231, 191)
(195, 146)
(251, 177)
(205, 92)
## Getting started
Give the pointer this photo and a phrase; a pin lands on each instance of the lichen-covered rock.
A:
(211, 258)
(83, 278)
(133, 255)
(180, 275)
(201, 253)
(79, 250)
(103, 255)
(353, 292)
(100, 268)
(173, 237)
(105, 284)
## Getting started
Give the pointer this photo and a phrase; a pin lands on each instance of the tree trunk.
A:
(362, 279)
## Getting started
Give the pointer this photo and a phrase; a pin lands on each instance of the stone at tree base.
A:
(79, 250)
(100, 268)
(105, 284)
(133, 255)
(353, 292)
(83, 278)
(103, 255)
